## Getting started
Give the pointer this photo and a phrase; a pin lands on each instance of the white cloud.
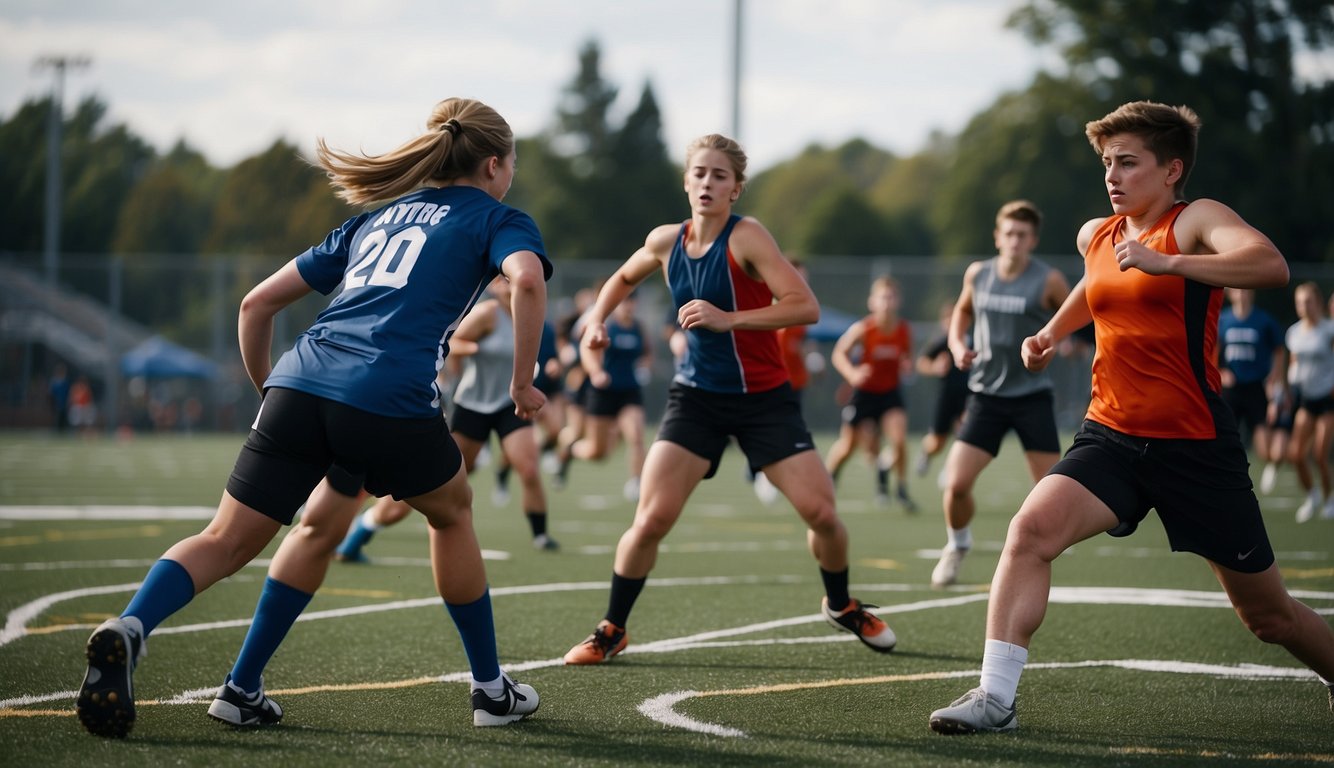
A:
(231, 78)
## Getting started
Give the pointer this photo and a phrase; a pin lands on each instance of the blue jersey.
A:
(1248, 344)
(410, 271)
(625, 347)
(546, 350)
(736, 361)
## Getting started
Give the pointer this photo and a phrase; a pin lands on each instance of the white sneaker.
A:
(946, 571)
(500, 496)
(765, 490)
(1268, 478)
(1327, 511)
(516, 702)
(923, 465)
(974, 711)
(550, 463)
(631, 490)
(1308, 508)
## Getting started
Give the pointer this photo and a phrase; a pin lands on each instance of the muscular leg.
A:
(962, 466)
(1265, 607)
(806, 484)
(1058, 513)
(670, 475)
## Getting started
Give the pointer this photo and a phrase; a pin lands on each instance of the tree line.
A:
(1252, 69)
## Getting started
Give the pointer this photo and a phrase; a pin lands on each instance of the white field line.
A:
(710, 639)
(662, 708)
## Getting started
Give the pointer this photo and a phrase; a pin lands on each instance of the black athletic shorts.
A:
(1248, 403)
(298, 436)
(345, 482)
(609, 402)
(1315, 405)
(767, 425)
(950, 404)
(871, 406)
(1201, 490)
(479, 426)
(989, 417)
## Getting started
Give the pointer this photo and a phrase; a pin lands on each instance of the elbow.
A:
(808, 314)
(1279, 274)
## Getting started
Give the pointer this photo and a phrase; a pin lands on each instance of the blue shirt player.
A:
(1251, 345)
(357, 389)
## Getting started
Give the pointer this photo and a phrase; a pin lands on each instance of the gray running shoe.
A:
(972, 712)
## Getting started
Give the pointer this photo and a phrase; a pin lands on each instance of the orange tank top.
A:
(1154, 371)
(792, 342)
(885, 351)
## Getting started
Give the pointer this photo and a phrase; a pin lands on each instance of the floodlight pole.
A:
(736, 68)
(55, 124)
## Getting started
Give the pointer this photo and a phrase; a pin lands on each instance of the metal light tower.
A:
(736, 69)
(51, 236)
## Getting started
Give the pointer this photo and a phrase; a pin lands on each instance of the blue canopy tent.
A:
(833, 322)
(158, 358)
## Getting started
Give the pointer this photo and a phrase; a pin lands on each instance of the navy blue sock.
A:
(278, 608)
(537, 521)
(477, 628)
(836, 588)
(166, 589)
(356, 539)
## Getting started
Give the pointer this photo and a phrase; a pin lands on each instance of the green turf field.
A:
(1140, 661)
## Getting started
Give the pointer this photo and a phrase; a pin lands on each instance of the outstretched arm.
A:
(254, 325)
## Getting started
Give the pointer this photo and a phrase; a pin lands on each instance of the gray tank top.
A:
(484, 385)
(1005, 312)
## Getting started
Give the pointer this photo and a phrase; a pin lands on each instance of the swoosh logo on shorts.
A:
(1240, 556)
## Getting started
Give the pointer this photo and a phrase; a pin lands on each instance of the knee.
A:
(650, 527)
(1274, 625)
(820, 516)
(1030, 536)
(321, 535)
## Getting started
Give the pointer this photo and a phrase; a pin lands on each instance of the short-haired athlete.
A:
(1158, 434)
(1004, 299)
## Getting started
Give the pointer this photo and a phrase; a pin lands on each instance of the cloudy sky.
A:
(232, 77)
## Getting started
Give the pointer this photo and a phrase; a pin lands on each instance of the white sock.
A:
(959, 538)
(368, 520)
(133, 624)
(493, 688)
(1002, 664)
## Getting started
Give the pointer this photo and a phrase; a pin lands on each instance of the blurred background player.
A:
(936, 360)
(614, 400)
(1004, 299)
(801, 360)
(1251, 350)
(1310, 343)
(881, 343)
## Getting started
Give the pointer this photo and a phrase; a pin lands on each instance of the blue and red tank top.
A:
(738, 361)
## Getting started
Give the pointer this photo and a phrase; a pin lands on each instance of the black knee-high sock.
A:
(537, 520)
(624, 593)
(836, 588)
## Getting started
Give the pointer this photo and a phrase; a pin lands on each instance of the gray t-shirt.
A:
(484, 385)
(1005, 312)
